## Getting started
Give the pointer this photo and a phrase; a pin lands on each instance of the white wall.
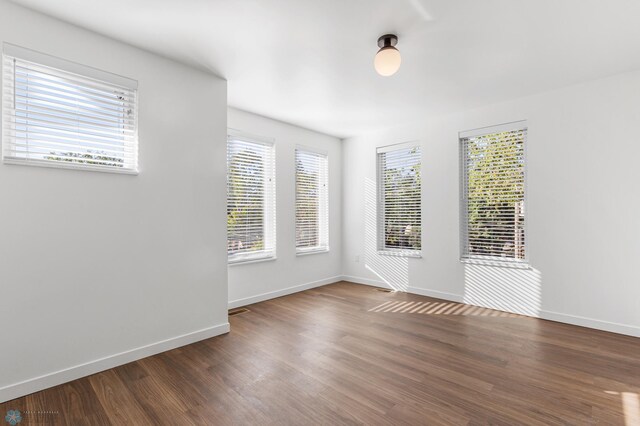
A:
(97, 264)
(583, 203)
(252, 282)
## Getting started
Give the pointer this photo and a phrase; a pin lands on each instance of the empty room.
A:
(320, 212)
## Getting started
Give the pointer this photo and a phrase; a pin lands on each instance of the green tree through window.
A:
(494, 167)
(400, 183)
(250, 195)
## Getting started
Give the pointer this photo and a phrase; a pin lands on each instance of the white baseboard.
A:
(285, 291)
(613, 327)
(36, 384)
(365, 281)
(413, 290)
(436, 294)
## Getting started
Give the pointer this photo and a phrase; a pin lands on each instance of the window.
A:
(493, 194)
(399, 199)
(250, 199)
(312, 203)
(60, 114)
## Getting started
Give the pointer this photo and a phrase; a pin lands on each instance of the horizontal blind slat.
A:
(399, 224)
(60, 118)
(250, 200)
(493, 196)
(312, 221)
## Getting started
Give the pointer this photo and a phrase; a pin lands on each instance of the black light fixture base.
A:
(388, 40)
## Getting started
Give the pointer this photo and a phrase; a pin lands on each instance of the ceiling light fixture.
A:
(387, 60)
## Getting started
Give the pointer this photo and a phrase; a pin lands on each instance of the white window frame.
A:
(323, 201)
(492, 260)
(382, 249)
(269, 208)
(84, 73)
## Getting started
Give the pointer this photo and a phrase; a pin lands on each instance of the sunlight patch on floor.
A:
(630, 407)
(439, 308)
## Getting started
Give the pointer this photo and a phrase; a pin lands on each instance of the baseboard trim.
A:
(36, 384)
(284, 292)
(436, 294)
(612, 327)
(365, 281)
(628, 330)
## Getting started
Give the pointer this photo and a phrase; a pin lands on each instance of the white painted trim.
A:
(612, 327)
(67, 165)
(366, 281)
(486, 262)
(249, 260)
(628, 330)
(313, 149)
(398, 146)
(314, 251)
(436, 294)
(415, 254)
(248, 137)
(285, 291)
(413, 290)
(55, 378)
(483, 131)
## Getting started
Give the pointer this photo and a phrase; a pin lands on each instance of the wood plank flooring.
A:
(350, 354)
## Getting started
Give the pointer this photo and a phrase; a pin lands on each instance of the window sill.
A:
(237, 262)
(496, 263)
(68, 166)
(401, 253)
(309, 252)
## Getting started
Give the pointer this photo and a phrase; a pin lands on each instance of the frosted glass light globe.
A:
(387, 61)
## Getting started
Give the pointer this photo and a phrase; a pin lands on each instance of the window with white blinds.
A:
(312, 201)
(399, 202)
(58, 113)
(493, 194)
(251, 225)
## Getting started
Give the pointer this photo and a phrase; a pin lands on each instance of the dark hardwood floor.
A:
(350, 354)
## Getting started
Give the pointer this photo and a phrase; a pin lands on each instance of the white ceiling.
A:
(310, 62)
